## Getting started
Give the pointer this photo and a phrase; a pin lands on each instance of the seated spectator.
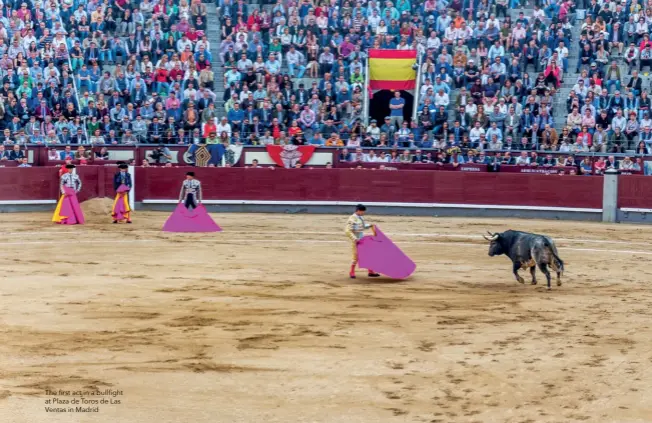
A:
(101, 154)
(406, 157)
(334, 141)
(81, 153)
(627, 164)
(600, 166)
(16, 153)
(523, 159)
(53, 154)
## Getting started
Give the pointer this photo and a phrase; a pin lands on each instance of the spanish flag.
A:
(392, 69)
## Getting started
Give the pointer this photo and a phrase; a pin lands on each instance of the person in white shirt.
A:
(562, 52)
(373, 130)
(433, 42)
(223, 126)
(580, 89)
(493, 20)
(474, 134)
(295, 60)
(619, 121)
(518, 33)
(374, 19)
(371, 157)
(441, 99)
(523, 159)
(425, 87)
(449, 33)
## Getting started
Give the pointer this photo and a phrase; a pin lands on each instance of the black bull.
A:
(527, 250)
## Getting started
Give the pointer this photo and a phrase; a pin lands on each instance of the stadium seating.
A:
(496, 76)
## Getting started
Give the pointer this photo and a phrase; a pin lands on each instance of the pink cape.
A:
(184, 220)
(121, 207)
(123, 188)
(381, 255)
(70, 208)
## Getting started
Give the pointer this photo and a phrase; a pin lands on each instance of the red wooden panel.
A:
(377, 186)
(28, 183)
(89, 176)
(635, 191)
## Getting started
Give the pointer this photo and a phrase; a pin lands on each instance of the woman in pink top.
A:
(173, 106)
(599, 166)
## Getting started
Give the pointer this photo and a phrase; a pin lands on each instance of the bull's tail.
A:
(559, 263)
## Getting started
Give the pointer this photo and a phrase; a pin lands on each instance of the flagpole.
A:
(365, 106)
(417, 89)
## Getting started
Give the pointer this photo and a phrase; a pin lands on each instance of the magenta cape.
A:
(69, 211)
(381, 255)
(184, 220)
(121, 209)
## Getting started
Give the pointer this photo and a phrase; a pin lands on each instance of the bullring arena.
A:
(261, 322)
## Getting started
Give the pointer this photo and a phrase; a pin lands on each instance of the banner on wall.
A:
(288, 156)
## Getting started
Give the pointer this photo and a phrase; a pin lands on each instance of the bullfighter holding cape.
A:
(190, 215)
(377, 251)
(355, 228)
(68, 211)
(122, 185)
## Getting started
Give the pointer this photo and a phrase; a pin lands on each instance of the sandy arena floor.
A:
(261, 324)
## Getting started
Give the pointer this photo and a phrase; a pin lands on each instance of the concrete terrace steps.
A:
(214, 34)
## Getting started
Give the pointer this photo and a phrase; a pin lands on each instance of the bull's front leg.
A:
(533, 272)
(516, 268)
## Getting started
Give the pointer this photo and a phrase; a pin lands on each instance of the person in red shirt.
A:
(254, 19)
(161, 79)
(192, 35)
(276, 129)
(210, 128)
(294, 129)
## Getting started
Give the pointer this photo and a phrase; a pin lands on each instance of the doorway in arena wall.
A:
(379, 105)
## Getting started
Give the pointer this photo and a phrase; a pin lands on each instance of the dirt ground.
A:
(260, 323)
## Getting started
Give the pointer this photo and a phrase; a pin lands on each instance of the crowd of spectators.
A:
(90, 71)
(490, 82)
(127, 73)
(456, 157)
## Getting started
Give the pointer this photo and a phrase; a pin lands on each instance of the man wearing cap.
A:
(373, 131)
(354, 230)
(190, 194)
(68, 211)
(387, 127)
(122, 184)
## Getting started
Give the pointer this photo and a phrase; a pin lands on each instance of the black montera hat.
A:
(123, 166)
(70, 166)
(360, 207)
(190, 174)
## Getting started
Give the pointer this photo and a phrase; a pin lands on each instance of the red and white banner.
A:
(288, 156)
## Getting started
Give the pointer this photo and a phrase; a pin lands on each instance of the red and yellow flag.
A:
(392, 69)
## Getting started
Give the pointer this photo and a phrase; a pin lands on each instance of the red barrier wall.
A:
(635, 191)
(377, 186)
(42, 183)
(28, 183)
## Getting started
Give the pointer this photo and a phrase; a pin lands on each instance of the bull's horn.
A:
(493, 236)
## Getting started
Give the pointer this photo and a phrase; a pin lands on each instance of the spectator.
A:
(16, 153)
(101, 154)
